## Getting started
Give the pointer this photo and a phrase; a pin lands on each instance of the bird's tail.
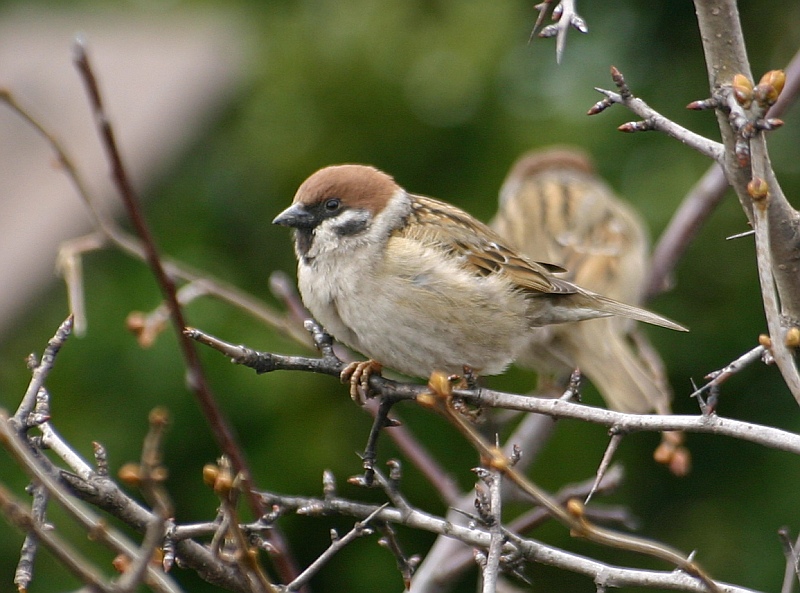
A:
(612, 307)
(581, 304)
(622, 376)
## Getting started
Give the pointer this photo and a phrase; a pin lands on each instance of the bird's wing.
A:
(481, 250)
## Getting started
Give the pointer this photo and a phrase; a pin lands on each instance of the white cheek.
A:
(339, 234)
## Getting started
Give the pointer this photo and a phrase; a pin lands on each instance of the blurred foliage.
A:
(444, 94)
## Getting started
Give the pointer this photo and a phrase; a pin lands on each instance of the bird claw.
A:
(358, 374)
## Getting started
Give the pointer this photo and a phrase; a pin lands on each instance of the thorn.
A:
(740, 235)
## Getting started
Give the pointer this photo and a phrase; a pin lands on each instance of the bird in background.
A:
(554, 207)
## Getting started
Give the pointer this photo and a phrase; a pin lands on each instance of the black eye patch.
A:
(351, 223)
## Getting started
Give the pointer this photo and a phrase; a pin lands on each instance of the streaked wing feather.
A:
(483, 251)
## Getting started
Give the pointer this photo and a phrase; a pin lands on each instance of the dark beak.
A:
(296, 216)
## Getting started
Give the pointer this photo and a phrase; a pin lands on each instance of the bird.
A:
(554, 206)
(419, 285)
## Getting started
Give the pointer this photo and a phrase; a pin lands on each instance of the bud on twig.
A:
(769, 87)
(742, 90)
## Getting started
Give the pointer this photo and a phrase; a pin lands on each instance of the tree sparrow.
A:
(419, 285)
(554, 207)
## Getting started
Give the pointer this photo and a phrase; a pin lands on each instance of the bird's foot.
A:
(358, 374)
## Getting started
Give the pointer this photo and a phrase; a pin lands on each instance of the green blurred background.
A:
(443, 94)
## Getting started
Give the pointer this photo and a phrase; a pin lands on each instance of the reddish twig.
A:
(196, 380)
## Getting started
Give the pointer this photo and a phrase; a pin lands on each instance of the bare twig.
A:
(69, 264)
(652, 120)
(150, 475)
(447, 558)
(18, 515)
(609, 483)
(456, 558)
(360, 529)
(718, 377)
(30, 546)
(494, 519)
(40, 371)
(436, 474)
(132, 246)
(406, 565)
(555, 408)
(107, 495)
(534, 430)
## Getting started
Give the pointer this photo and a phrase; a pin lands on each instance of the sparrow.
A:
(554, 207)
(419, 285)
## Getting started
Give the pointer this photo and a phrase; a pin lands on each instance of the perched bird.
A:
(554, 207)
(419, 285)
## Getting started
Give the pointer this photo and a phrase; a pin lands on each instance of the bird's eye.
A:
(332, 204)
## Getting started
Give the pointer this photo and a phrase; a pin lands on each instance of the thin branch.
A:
(107, 495)
(755, 433)
(71, 250)
(491, 569)
(609, 483)
(18, 515)
(40, 371)
(534, 430)
(413, 450)
(556, 408)
(652, 120)
(406, 565)
(69, 263)
(449, 558)
(718, 377)
(150, 477)
(30, 546)
(53, 441)
(360, 529)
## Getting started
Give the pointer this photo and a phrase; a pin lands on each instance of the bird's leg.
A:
(470, 378)
(358, 374)
(381, 421)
